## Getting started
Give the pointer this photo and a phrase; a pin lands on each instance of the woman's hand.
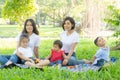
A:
(65, 61)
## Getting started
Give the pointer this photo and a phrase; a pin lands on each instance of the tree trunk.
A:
(38, 19)
(91, 20)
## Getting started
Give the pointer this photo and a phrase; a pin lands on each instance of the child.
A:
(57, 54)
(25, 53)
(102, 55)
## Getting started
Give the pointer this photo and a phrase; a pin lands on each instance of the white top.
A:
(34, 41)
(68, 40)
(27, 52)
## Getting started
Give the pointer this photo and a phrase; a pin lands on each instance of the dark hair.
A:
(71, 20)
(33, 25)
(96, 40)
(23, 36)
(59, 43)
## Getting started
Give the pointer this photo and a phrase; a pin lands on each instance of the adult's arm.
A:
(72, 49)
(36, 52)
(65, 61)
(48, 57)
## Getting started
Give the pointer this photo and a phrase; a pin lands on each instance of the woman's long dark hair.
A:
(33, 25)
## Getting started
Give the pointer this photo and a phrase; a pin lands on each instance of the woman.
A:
(31, 29)
(70, 39)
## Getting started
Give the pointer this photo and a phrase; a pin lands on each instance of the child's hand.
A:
(65, 61)
(31, 60)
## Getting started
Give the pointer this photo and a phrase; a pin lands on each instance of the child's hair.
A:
(96, 40)
(59, 43)
(23, 36)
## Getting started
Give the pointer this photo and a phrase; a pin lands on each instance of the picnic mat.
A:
(81, 68)
(86, 67)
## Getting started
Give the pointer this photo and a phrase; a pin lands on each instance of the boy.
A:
(102, 55)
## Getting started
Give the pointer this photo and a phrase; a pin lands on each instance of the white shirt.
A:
(34, 40)
(68, 40)
(27, 52)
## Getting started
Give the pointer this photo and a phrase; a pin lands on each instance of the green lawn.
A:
(13, 30)
(85, 49)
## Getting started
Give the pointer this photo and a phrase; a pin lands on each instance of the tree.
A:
(114, 22)
(1, 4)
(18, 10)
(56, 10)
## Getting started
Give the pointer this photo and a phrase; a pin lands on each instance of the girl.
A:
(24, 52)
(57, 54)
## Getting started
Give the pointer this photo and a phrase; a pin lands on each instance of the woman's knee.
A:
(72, 61)
(72, 58)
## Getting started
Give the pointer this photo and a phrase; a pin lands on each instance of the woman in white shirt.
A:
(70, 39)
(31, 29)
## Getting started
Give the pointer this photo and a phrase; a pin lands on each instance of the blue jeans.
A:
(55, 63)
(73, 61)
(100, 62)
(5, 58)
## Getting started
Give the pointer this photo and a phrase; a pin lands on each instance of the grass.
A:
(85, 49)
(8, 31)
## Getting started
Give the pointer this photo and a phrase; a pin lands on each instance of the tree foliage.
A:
(113, 20)
(114, 16)
(18, 10)
(56, 10)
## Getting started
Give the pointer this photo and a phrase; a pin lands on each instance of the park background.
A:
(93, 18)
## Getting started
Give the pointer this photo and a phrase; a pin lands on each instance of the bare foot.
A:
(8, 63)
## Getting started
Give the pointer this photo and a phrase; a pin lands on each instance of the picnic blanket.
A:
(82, 68)
(86, 67)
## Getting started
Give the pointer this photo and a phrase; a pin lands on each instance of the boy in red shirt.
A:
(57, 55)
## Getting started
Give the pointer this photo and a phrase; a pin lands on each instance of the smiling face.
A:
(29, 27)
(101, 42)
(24, 42)
(68, 25)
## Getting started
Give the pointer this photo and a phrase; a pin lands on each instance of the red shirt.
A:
(55, 56)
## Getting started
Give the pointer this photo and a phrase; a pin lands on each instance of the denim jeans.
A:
(5, 58)
(100, 62)
(55, 62)
(73, 61)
